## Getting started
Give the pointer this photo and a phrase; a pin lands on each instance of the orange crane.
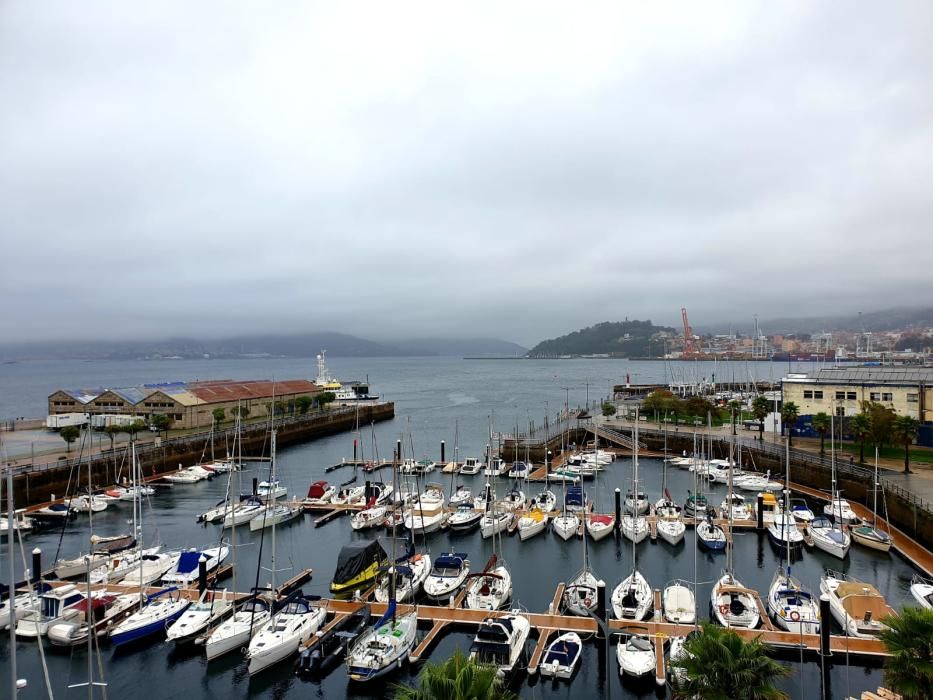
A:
(690, 349)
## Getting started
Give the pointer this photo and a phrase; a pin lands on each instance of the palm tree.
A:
(905, 432)
(735, 407)
(789, 415)
(761, 407)
(909, 639)
(861, 429)
(821, 424)
(457, 678)
(719, 664)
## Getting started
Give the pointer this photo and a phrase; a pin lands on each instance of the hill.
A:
(613, 338)
(885, 320)
(461, 347)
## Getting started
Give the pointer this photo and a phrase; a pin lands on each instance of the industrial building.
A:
(187, 404)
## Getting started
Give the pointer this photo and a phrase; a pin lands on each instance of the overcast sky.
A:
(508, 169)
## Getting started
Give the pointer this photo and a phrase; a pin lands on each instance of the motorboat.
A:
(87, 503)
(52, 605)
(185, 476)
(493, 523)
(920, 588)
(410, 576)
(801, 511)
(561, 656)
(464, 519)
(753, 481)
(518, 470)
(564, 476)
(378, 493)
(635, 655)
(384, 647)
(696, 506)
(632, 599)
(791, 606)
(495, 467)
(734, 507)
(423, 466)
(636, 504)
(102, 611)
(840, 511)
(566, 525)
(357, 565)
(270, 490)
(532, 523)
(858, 607)
(200, 617)
(23, 602)
(447, 576)
(141, 567)
(53, 515)
(490, 589)
(349, 496)
(159, 610)
(462, 495)
(22, 523)
(635, 527)
(408, 466)
(733, 605)
(327, 650)
(185, 571)
(769, 507)
(319, 493)
(428, 514)
(291, 626)
(500, 642)
(235, 632)
(599, 525)
(580, 594)
(101, 551)
(678, 603)
(278, 514)
(830, 538)
(783, 532)
(471, 465)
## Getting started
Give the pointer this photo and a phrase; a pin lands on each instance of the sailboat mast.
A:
(874, 505)
(10, 524)
(786, 497)
(272, 489)
(635, 496)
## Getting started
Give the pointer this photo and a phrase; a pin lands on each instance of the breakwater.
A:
(35, 484)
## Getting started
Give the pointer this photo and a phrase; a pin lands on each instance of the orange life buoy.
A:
(795, 616)
(723, 609)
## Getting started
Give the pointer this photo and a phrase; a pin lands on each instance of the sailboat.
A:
(857, 606)
(828, 536)
(200, 617)
(678, 603)
(599, 525)
(869, 535)
(634, 525)
(789, 603)
(297, 618)
(490, 589)
(580, 592)
(670, 520)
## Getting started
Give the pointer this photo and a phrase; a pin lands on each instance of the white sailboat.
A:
(294, 623)
(491, 589)
(869, 534)
(634, 525)
(580, 592)
(670, 519)
(857, 606)
(828, 536)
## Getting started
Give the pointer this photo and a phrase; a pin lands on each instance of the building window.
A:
(178, 416)
(808, 394)
(913, 398)
(887, 396)
(817, 394)
(840, 396)
(850, 395)
(875, 396)
(840, 411)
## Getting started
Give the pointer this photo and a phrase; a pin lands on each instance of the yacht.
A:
(710, 535)
(465, 518)
(561, 656)
(274, 515)
(599, 525)
(384, 647)
(471, 465)
(635, 655)
(52, 605)
(770, 507)
(319, 493)
(532, 523)
(491, 589)
(831, 538)
(281, 637)
(493, 523)
(733, 605)
(735, 508)
(270, 490)
(566, 525)
(801, 511)
(243, 513)
(410, 576)
(371, 517)
(236, 632)
(546, 500)
(632, 599)
(200, 617)
(462, 495)
(858, 607)
(635, 527)
(580, 593)
(500, 641)
(840, 511)
(428, 513)
(670, 521)
(922, 591)
(185, 571)
(783, 532)
(792, 606)
(636, 504)
(159, 611)
(106, 610)
(447, 576)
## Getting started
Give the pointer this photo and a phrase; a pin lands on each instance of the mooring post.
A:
(36, 564)
(618, 522)
(398, 451)
(825, 626)
(255, 485)
(354, 449)
(761, 512)
(202, 575)
(600, 600)
(443, 455)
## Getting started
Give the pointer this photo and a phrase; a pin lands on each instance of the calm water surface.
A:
(436, 399)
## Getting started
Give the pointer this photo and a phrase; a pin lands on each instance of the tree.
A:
(69, 434)
(132, 428)
(457, 678)
(161, 421)
(324, 398)
(608, 409)
(242, 411)
(720, 665)
(761, 407)
(657, 402)
(906, 429)
(735, 407)
(861, 429)
(219, 414)
(280, 407)
(821, 424)
(909, 639)
(789, 415)
(881, 423)
(303, 403)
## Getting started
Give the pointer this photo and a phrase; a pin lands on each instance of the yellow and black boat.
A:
(357, 565)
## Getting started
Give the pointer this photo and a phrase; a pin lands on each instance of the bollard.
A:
(600, 602)
(255, 485)
(761, 512)
(36, 565)
(618, 522)
(487, 496)
(354, 449)
(443, 456)
(825, 626)
(202, 575)
(398, 451)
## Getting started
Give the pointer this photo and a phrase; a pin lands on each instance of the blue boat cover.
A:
(451, 559)
(188, 562)
(574, 496)
(389, 614)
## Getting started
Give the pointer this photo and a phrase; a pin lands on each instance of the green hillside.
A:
(616, 339)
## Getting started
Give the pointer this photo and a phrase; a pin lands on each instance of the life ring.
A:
(723, 609)
(795, 616)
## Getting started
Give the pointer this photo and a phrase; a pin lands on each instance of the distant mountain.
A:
(616, 339)
(461, 347)
(885, 320)
(299, 345)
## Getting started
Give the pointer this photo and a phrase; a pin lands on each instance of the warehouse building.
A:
(187, 404)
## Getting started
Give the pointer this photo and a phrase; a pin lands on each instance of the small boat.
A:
(791, 606)
(532, 523)
(566, 525)
(635, 527)
(783, 532)
(636, 504)
(770, 507)
(270, 490)
(384, 647)
(274, 515)
(801, 511)
(52, 606)
(561, 656)
(635, 655)
(243, 513)
(447, 576)
(830, 538)
(53, 515)
(493, 523)
(922, 591)
(22, 523)
(291, 626)
(735, 508)
(236, 632)
(87, 504)
(371, 517)
(357, 565)
(319, 493)
(185, 571)
(840, 511)
(599, 525)
(580, 594)
(106, 610)
(464, 519)
(200, 618)
(858, 607)
(471, 465)
(462, 495)
(159, 611)
(491, 589)
(632, 599)
(500, 642)
(733, 605)
(326, 651)
(518, 470)
(678, 603)
(545, 500)
(410, 576)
